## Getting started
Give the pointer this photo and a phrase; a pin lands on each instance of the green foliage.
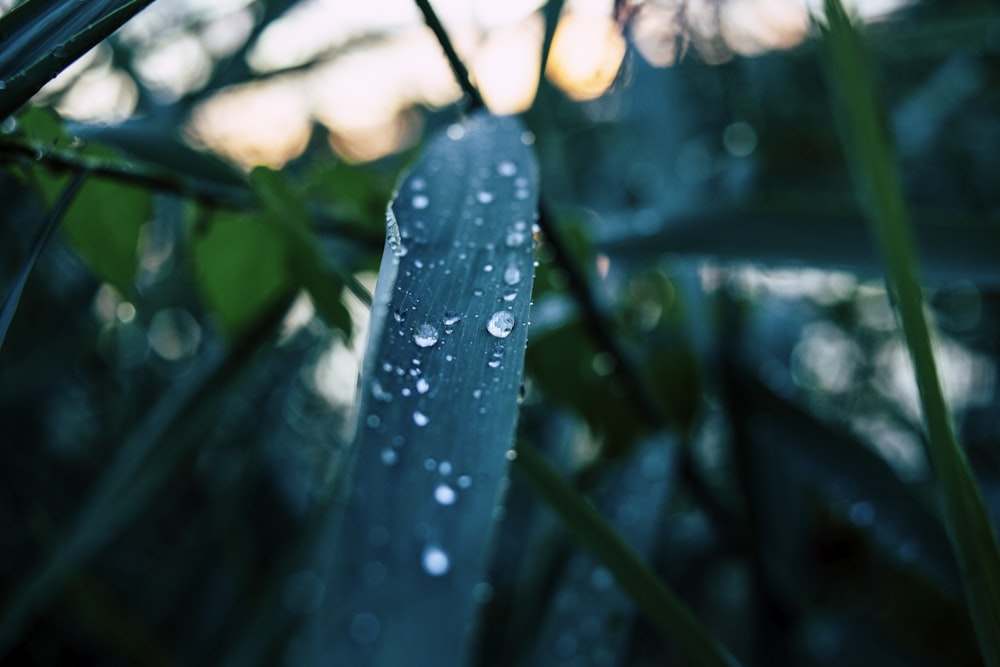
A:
(241, 266)
(973, 535)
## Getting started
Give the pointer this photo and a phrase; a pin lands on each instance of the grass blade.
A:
(439, 405)
(49, 225)
(40, 38)
(664, 610)
(870, 155)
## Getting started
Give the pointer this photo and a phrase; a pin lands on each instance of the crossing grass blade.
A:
(870, 155)
(49, 225)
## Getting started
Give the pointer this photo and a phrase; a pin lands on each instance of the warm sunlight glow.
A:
(507, 63)
(257, 124)
(658, 33)
(100, 97)
(176, 66)
(587, 51)
(751, 27)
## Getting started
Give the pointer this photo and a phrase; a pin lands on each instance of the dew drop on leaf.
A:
(435, 561)
(421, 201)
(515, 238)
(423, 386)
(389, 456)
(501, 324)
(444, 495)
(484, 197)
(512, 275)
(426, 335)
(420, 419)
(506, 168)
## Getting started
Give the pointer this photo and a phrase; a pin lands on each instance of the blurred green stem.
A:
(49, 225)
(665, 611)
(869, 149)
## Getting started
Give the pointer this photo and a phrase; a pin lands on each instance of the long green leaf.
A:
(49, 225)
(41, 38)
(667, 613)
(870, 154)
(407, 559)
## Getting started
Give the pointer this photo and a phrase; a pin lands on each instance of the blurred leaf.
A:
(953, 249)
(43, 127)
(438, 408)
(287, 214)
(349, 192)
(154, 140)
(835, 527)
(587, 607)
(241, 265)
(670, 616)
(49, 224)
(561, 362)
(40, 38)
(870, 155)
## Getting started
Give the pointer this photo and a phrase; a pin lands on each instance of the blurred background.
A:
(178, 451)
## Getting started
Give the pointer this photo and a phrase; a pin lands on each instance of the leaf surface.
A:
(442, 375)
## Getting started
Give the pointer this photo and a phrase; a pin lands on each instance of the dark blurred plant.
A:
(715, 399)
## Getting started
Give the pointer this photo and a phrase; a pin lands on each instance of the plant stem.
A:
(868, 145)
(458, 68)
(49, 225)
(667, 613)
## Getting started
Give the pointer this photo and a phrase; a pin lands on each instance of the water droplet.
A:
(455, 131)
(464, 482)
(501, 324)
(477, 393)
(444, 468)
(399, 315)
(365, 628)
(430, 464)
(522, 193)
(444, 494)
(389, 456)
(435, 561)
(512, 275)
(488, 268)
(426, 335)
(511, 454)
(515, 238)
(450, 319)
(420, 419)
(421, 201)
(418, 183)
(506, 168)
(510, 297)
(477, 292)
(527, 137)
(405, 391)
(484, 197)
(423, 386)
(380, 394)
(373, 421)
(417, 263)
(493, 363)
